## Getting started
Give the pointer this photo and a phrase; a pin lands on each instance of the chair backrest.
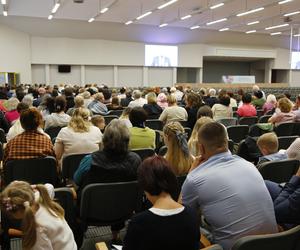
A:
(53, 131)
(144, 152)
(285, 129)
(1, 151)
(238, 132)
(2, 136)
(285, 141)
(259, 112)
(108, 203)
(183, 123)
(255, 130)
(163, 150)
(287, 240)
(264, 118)
(188, 132)
(228, 121)
(116, 112)
(279, 171)
(249, 120)
(70, 164)
(249, 150)
(154, 124)
(109, 118)
(36, 170)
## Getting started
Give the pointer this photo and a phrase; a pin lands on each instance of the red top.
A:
(246, 110)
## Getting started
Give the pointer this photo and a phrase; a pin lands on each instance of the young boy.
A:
(98, 121)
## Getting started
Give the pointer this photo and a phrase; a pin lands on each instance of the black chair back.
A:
(163, 150)
(259, 112)
(250, 120)
(249, 150)
(264, 119)
(285, 141)
(109, 118)
(188, 132)
(154, 124)
(279, 171)
(285, 129)
(2, 136)
(238, 132)
(37, 170)
(144, 152)
(287, 240)
(108, 203)
(116, 112)
(228, 121)
(70, 164)
(53, 131)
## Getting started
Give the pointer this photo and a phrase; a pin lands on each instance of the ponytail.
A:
(29, 228)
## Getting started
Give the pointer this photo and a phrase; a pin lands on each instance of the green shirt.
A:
(141, 138)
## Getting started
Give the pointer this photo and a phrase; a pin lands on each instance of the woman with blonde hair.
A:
(43, 223)
(79, 137)
(193, 141)
(178, 154)
(284, 112)
(12, 114)
(152, 108)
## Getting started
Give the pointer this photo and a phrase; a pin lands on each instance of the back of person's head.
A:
(12, 103)
(122, 90)
(212, 92)
(224, 100)
(271, 99)
(31, 119)
(285, 105)
(20, 94)
(268, 143)
(20, 199)
(80, 120)
(136, 94)
(178, 154)
(116, 138)
(49, 104)
(247, 98)
(293, 152)
(99, 97)
(115, 101)
(79, 101)
(138, 116)
(194, 100)
(86, 95)
(258, 94)
(98, 121)
(126, 112)
(171, 99)
(213, 137)
(106, 93)
(255, 87)
(151, 98)
(68, 91)
(204, 111)
(60, 104)
(21, 107)
(287, 95)
(28, 99)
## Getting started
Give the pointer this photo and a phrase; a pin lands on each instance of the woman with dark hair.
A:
(246, 109)
(258, 101)
(168, 224)
(222, 109)
(204, 111)
(68, 92)
(193, 103)
(58, 118)
(140, 135)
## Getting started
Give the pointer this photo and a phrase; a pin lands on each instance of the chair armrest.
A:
(101, 246)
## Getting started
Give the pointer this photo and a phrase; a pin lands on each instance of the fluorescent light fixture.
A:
(144, 15)
(224, 29)
(276, 33)
(3, 2)
(92, 19)
(129, 22)
(251, 23)
(277, 26)
(186, 17)
(216, 6)
(285, 1)
(4, 13)
(195, 27)
(217, 21)
(292, 13)
(166, 4)
(250, 11)
(163, 25)
(50, 17)
(55, 8)
(297, 35)
(250, 31)
(103, 10)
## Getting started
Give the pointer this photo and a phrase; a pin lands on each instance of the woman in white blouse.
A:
(79, 137)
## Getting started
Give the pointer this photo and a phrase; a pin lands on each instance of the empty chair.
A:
(285, 141)
(287, 240)
(228, 121)
(249, 120)
(154, 124)
(70, 163)
(108, 118)
(264, 118)
(237, 133)
(279, 171)
(285, 129)
(53, 131)
(116, 112)
(36, 170)
(144, 152)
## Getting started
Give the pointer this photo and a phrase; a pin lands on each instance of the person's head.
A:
(60, 104)
(28, 99)
(99, 97)
(21, 107)
(125, 113)
(293, 152)
(12, 103)
(225, 100)
(271, 99)
(247, 98)
(171, 100)
(115, 101)
(212, 139)
(123, 90)
(80, 120)
(258, 94)
(287, 95)
(68, 92)
(138, 116)
(156, 177)
(31, 119)
(79, 102)
(116, 138)
(19, 200)
(86, 95)
(193, 100)
(285, 105)
(178, 154)
(136, 94)
(41, 91)
(151, 98)
(212, 92)
(204, 111)
(98, 121)
(268, 143)
(255, 88)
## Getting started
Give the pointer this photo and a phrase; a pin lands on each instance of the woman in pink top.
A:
(162, 100)
(12, 114)
(284, 114)
(270, 103)
(247, 109)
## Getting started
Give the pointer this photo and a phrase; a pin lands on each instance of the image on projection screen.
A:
(161, 56)
(295, 60)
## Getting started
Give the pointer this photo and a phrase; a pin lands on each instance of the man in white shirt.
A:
(138, 101)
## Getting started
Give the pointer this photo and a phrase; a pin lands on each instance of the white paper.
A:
(118, 247)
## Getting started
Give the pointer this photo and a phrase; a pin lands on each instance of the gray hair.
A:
(212, 92)
(28, 99)
(136, 94)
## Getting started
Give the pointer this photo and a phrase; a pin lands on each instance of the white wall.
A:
(160, 77)
(68, 78)
(99, 74)
(130, 76)
(38, 73)
(15, 53)
(295, 78)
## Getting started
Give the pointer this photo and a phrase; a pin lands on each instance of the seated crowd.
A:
(222, 197)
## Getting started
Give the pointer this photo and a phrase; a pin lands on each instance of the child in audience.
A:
(268, 146)
(98, 121)
(43, 223)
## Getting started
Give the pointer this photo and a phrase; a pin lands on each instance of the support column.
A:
(82, 75)
(268, 72)
(47, 74)
(145, 77)
(200, 75)
(115, 83)
(174, 78)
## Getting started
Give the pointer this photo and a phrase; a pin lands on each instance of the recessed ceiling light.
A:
(224, 29)
(50, 17)
(186, 17)
(217, 21)
(55, 8)
(163, 25)
(91, 20)
(144, 15)
(277, 26)
(195, 27)
(276, 33)
(292, 13)
(129, 22)
(166, 4)
(103, 10)
(251, 23)
(250, 11)
(250, 31)
(216, 6)
(285, 1)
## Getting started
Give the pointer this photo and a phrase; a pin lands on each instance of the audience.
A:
(167, 224)
(79, 103)
(162, 100)
(12, 114)
(173, 112)
(115, 104)
(270, 104)
(211, 98)
(138, 101)
(258, 100)
(97, 106)
(284, 112)
(152, 108)
(246, 109)
(222, 109)
(193, 103)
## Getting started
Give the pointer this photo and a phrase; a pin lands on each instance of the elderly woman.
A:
(152, 108)
(79, 137)
(97, 106)
(270, 104)
(87, 98)
(12, 114)
(79, 103)
(284, 114)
